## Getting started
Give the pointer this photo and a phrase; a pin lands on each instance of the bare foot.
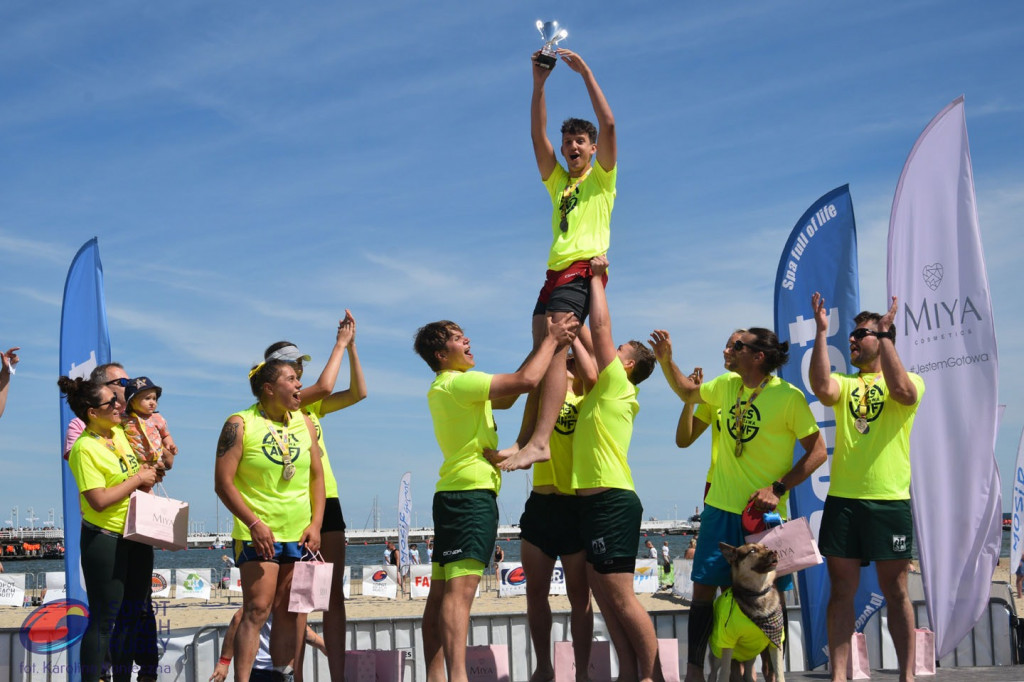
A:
(525, 458)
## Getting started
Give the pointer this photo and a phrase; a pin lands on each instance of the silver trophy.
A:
(552, 34)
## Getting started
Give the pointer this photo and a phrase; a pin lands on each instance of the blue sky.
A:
(251, 170)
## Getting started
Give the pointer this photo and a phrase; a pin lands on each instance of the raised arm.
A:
(824, 387)
(325, 383)
(529, 375)
(600, 317)
(586, 368)
(542, 148)
(901, 388)
(607, 149)
(681, 385)
(356, 390)
(689, 428)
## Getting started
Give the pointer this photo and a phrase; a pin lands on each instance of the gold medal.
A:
(861, 424)
(288, 471)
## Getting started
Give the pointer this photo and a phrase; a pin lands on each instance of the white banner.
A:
(511, 579)
(162, 582)
(645, 576)
(557, 579)
(419, 580)
(56, 588)
(346, 587)
(380, 581)
(945, 333)
(1017, 530)
(12, 589)
(404, 519)
(683, 585)
(192, 583)
(235, 580)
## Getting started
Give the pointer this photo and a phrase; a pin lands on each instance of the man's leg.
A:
(538, 567)
(701, 620)
(552, 397)
(581, 618)
(844, 575)
(455, 607)
(636, 641)
(433, 648)
(892, 578)
(259, 582)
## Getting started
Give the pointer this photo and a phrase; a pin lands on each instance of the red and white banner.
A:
(945, 333)
(419, 581)
(380, 581)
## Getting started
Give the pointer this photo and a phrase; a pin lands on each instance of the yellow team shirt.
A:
(710, 416)
(873, 465)
(778, 418)
(95, 465)
(558, 470)
(284, 506)
(464, 427)
(603, 432)
(314, 410)
(589, 215)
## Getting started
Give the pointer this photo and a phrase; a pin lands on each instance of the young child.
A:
(146, 430)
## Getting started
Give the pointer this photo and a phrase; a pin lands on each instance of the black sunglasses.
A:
(861, 332)
(122, 382)
(738, 345)
(110, 403)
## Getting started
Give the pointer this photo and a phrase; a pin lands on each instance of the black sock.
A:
(702, 617)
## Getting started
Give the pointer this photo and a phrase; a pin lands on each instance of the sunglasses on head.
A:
(108, 404)
(122, 382)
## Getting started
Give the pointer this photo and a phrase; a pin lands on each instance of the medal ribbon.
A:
(109, 442)
(286, 454)
(862, 409)
(566, 193)
(741, 416)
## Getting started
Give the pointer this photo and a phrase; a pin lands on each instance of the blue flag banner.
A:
(821, 255)
(84, 344)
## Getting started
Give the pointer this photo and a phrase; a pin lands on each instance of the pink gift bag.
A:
(390, 665)
(599, 669)
(857, 666)
(360, 666)
(924, 651)
(311, 585)
(668, 656)
(794, 543)
(487, 663)
(157, 521)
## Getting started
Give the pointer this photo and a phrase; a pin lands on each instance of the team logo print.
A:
(597, 546)
(55, 626)
(751, 422)
(513, 576)
(899, 543)
(379, 576)
(159, 583)
(932, 275)
(874, 403)
(272, 451)
(566, 424)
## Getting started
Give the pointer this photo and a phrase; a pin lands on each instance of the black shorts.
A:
(609, 528)
(566, 291)
(870, 530)
(465, 525)
(333, 518)
(551, 523)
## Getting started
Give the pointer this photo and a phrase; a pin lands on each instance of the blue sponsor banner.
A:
(84, 344)
(820, 255)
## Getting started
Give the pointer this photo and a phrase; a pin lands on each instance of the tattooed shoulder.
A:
(228, 435)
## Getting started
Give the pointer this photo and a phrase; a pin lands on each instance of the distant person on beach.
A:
(318, 400)
(8, 361)
(465, 509)
(1019, 573)
(755, 465)
(652, 553)
(263, 667)
(117, 572)
(430, 550)
(690, 549)
(414, 554)
(610, 511)
(269, 475)
(145, 428)
(582, 196)
(867, 514)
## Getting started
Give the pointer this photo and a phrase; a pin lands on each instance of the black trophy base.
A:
(546, 61)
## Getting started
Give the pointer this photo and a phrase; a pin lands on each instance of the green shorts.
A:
(551, 524)
(870, 530)
(465, 525)
(609, 528)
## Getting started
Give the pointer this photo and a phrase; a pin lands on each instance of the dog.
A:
(748, 616)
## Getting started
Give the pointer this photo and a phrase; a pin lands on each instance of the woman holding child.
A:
(269, 475)
(117, 572)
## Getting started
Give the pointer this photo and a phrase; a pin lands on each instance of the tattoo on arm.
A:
(227, 438)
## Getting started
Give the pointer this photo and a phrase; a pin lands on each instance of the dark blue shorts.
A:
(709, 566)
(284, 552)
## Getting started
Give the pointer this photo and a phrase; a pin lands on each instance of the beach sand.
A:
(191, 613)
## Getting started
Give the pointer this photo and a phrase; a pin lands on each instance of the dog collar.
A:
(751, 593)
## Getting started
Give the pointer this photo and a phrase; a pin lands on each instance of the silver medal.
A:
(288, 472)
(861, 424)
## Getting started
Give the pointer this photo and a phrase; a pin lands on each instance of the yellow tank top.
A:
(330, 482)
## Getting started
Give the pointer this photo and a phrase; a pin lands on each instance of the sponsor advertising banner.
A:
(55, 587)
(192, 583)
(419, 580)
(946, 334)
(404, 519)
(511, 579)
(12, 589)
(1017, 530)
(645, 576)
(162, 582)
(380, 581)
